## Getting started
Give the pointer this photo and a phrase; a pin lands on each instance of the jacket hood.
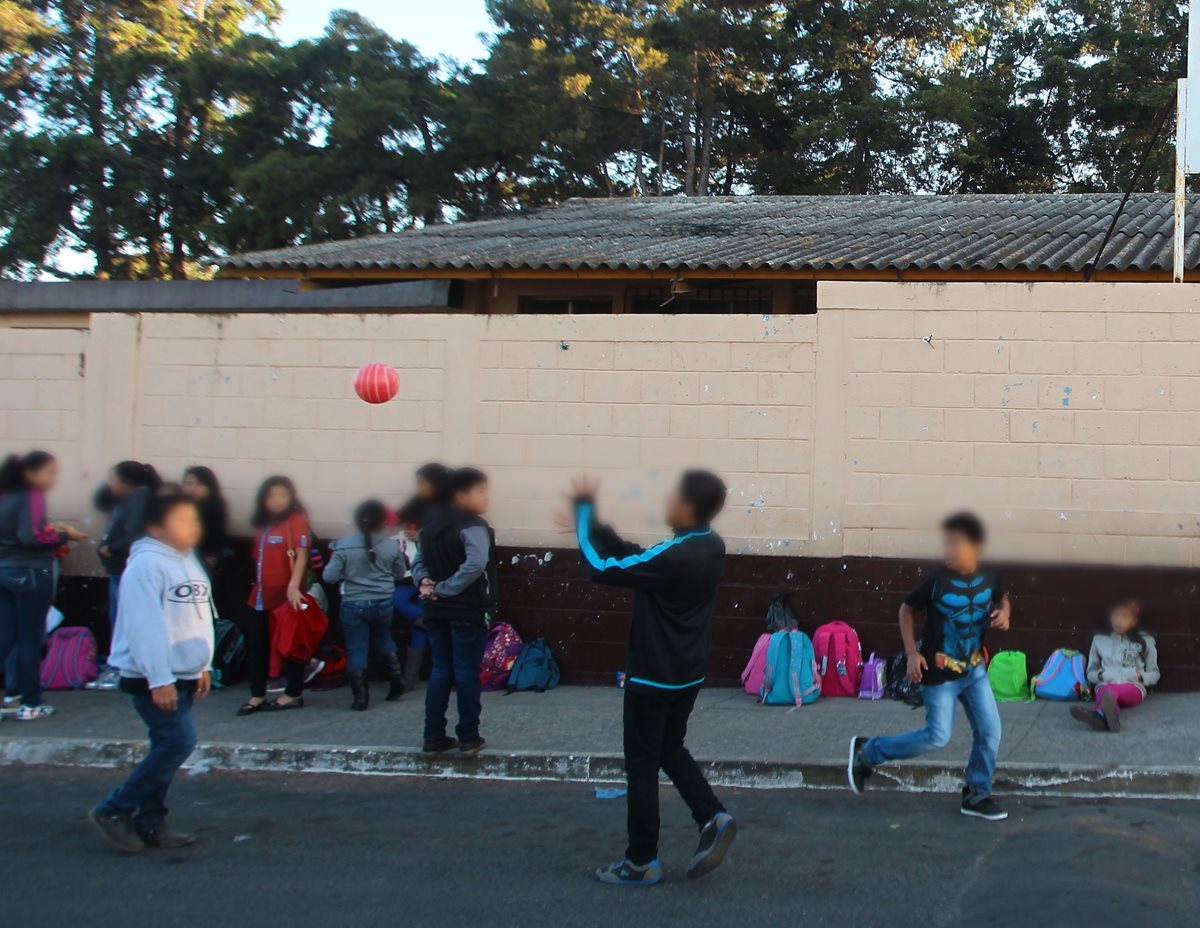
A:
(152, 547)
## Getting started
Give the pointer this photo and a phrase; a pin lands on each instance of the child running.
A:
(675, 584)
(1122, 665)
(455, 572)
(961, 599)
(367, 564)
(162, 649)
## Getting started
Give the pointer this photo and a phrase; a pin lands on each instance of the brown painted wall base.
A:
(544, 593)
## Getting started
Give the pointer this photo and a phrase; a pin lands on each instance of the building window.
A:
(570, 306)
(691, 299)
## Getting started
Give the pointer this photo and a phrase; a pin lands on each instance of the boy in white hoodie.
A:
(163, 648)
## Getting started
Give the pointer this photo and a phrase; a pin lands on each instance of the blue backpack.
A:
(791, 677)
(1064, 677)
(534, 668)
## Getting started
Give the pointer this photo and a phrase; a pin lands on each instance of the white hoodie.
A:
(164, 627)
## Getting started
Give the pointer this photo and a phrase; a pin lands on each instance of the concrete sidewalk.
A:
(574, 733)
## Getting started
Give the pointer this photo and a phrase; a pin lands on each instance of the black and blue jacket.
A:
(675, 589)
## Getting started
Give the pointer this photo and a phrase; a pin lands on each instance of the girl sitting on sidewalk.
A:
(367, 564)
(1121, 665)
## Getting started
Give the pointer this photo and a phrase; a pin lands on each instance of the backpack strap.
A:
(760, 647)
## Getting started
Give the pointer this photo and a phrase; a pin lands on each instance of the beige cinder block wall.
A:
(1068, 413)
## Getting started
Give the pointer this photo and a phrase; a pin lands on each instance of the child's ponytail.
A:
(369, 518)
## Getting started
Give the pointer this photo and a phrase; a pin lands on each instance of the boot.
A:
(358, 686)
(413, 658)
(396, 676)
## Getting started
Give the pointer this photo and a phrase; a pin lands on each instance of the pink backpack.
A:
(756, 669)
(499, 654)
(70, 660)
(839, 659)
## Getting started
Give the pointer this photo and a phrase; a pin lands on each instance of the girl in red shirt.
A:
(281, 550)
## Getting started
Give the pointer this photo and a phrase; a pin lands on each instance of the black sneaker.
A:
(439, 745)
(858, 771)
(118, 830)
(985, 808)
(1089, 716)
(623, 873)
(715, 838)
(164, 837)
(474, 746)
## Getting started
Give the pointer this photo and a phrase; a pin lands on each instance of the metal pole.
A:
(1181, 128)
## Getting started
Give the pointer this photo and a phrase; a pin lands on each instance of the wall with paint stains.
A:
(1068, 413)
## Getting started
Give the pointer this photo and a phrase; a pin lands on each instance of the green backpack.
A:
(1009, 677)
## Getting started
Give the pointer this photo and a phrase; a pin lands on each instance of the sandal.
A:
(250, 708)
(276, 706)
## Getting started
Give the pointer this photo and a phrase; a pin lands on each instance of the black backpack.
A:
(899, 687)
(229, 653)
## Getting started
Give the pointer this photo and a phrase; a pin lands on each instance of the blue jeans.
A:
(366, 623)
(407, 603)
(25, 596)
(457, 651)
(975, 693)
(172, 739)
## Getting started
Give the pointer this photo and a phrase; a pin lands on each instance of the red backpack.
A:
(839, 659)
(501, 652)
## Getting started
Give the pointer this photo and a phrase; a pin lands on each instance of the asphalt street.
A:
(313, 849)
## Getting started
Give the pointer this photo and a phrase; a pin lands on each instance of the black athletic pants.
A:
(258, 656)
(655, 726)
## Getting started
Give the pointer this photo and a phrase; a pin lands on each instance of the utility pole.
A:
(1187, 144)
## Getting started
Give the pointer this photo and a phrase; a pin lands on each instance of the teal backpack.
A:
(791, 677)
(534, 668)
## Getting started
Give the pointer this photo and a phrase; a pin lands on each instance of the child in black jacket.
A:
(670, 637)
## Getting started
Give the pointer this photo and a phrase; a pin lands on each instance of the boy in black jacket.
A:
(675, 584)
(455, 571)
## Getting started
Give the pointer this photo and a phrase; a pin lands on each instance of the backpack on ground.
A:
(229, 653)
(756, 667)
(779, 615)
(499, 654)
(791, 677)
(1009, 677)
(1064, 677)
(899, 687)
(70, 661)
(874, 678)
(839, 659)
(534, 669)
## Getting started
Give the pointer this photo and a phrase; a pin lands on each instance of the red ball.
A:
(376, 383)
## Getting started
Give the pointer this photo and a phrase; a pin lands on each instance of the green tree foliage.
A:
(152, 136)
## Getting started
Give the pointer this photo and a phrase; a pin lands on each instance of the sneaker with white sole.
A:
(315, 666)
(858, 771)
(10, 706)
(108, 680)
(985, 808)
(624, 873)
(33, 713)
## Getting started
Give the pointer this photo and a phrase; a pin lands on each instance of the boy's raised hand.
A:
(584, 487)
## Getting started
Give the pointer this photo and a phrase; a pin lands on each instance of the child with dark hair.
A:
(125, 496)
(431, 481)
(670, 637)
(455, 573)
(281, 545)
(367, 564)
(28, 545)
(406, 598)
(163, 651)
(1122, 666)
(961, 600)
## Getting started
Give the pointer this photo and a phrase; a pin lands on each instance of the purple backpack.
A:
(874, 678)
(499, 654)
(70, 661)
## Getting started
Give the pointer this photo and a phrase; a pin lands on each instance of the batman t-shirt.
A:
(958, 611)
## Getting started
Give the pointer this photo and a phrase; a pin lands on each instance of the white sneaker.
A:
(33, 713)
(315, 666)
(108, 680)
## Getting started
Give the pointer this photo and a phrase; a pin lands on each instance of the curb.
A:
(1086, 781)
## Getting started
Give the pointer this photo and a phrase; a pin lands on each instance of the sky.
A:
(436, 27)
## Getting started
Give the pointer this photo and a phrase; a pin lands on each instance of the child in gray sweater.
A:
(367, 564)
(1122, 665)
